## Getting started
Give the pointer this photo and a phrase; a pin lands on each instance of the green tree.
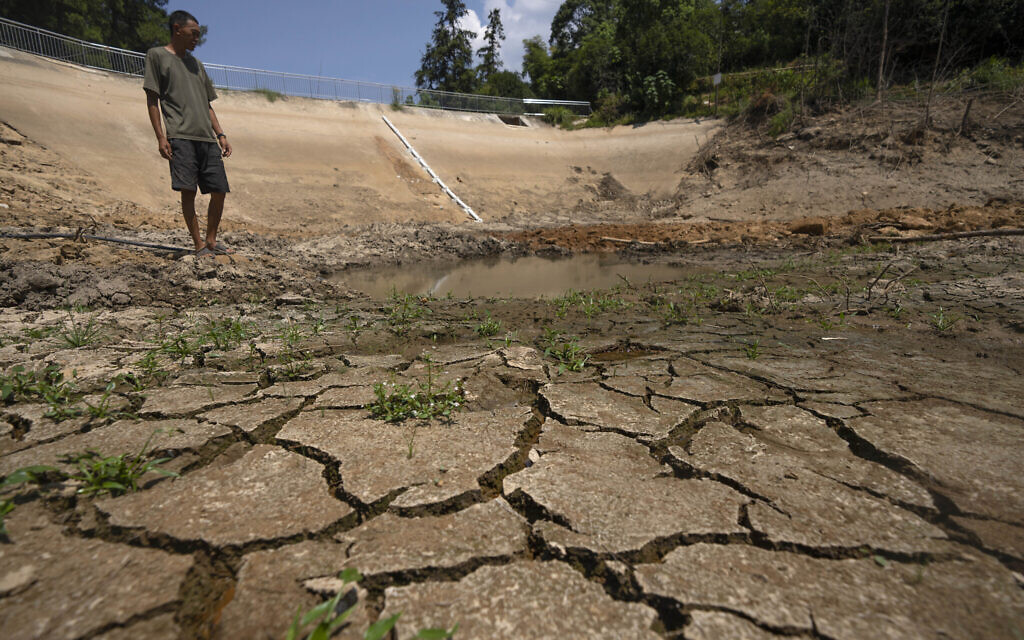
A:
(506, 84)
(537, 66)
(447, 63)
(490, 57)
(128, 24)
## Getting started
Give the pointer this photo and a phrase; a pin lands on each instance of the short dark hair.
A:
(179, 18)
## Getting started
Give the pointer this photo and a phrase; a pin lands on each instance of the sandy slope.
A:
(311, 166)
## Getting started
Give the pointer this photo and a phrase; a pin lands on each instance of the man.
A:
(195, 142)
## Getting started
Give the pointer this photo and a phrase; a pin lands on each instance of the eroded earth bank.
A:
(815, 432)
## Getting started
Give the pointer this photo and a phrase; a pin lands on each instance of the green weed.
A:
(943, 322)
(23, 475)
(47, 384)
(269, 94)
(565, 350)
(403, 310)
(114, 475)
(489, 327)
(753, 349)
(179, 347)
(76, 334)
(226, 334)
(397, 402)
(326, 619)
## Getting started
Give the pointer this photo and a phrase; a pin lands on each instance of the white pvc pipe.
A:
(430, 172)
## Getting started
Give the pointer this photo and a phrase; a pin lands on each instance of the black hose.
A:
(77, 236)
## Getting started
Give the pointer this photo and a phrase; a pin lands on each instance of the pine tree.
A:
(490, 58)
(447, 64)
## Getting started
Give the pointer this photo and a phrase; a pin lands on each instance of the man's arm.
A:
(153, 107)
(222, 139)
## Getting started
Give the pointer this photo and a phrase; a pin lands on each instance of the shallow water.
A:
(517, 278)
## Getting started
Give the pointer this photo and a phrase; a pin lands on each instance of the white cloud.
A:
(471, 22)
(522, 19)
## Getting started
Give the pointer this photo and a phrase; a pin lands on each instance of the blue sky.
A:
(372, 40)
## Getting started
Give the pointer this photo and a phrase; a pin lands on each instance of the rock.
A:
(520, 357)
(972, 597)
(809, 226)
(520, 600)
(268, 494)
(250, 417)
(614, 496)
(696, 382)
(983, 478)
(916, 222)
(590, 404)
(806, 371)
(839, 411)
(379, 459)
(1004, 538)
(310, 388)
(87, 585)
(345, 398)
(809, 502)
(290, 300)
(798, 430)
(125, 436)
(389, 544)
(182, 401)
(159, 628)
(712, 625)
(270, 590)
(630, 385)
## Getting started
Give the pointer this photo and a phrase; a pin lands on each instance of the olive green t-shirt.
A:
(185, 94)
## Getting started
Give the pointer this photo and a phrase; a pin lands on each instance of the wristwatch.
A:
(221, 135)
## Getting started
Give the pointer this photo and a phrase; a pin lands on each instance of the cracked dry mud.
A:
(754, 475)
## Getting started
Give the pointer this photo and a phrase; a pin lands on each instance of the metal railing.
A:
(23, 37)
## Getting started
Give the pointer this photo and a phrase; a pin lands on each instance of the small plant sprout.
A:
(102, 410)
(115, 475)
(78, 334)
(566, 351)
(24, 475)
(942, 321)
(397, 402)
(328, 617)
(489, 327)
(753, 349)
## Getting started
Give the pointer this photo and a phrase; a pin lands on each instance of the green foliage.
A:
(78, 334)
(102, 409)
(128, 24)
(269, 94)
(559, 117)
(114, 475)
(17, 477)
(47, 384)
(565, 350)
(489, 327)
(397, 402)
(943, 322)
(490, 57)
(993, 74)
(327, 619)
(753, 349)
(447, 63)
(226, 334)
(403, 310)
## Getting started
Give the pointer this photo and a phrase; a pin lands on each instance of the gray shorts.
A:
(193, 163)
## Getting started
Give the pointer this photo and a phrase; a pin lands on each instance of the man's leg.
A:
(188, 210)
(213, 214)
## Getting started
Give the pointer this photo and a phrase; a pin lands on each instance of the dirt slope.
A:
(309, 167)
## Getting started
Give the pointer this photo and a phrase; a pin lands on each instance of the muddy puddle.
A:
(530, 277)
